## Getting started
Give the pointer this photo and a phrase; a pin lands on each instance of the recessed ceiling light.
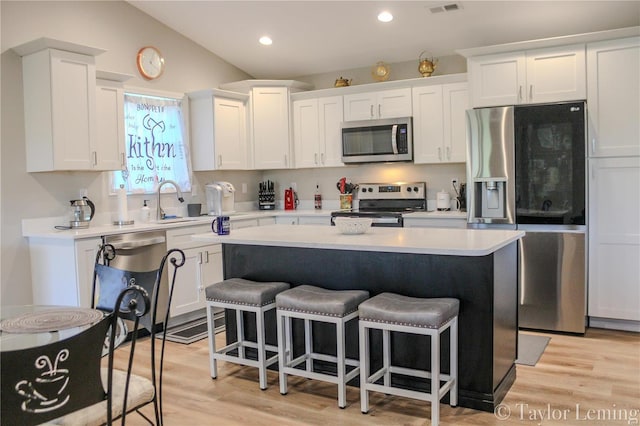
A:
(385, 17)
(265, 40)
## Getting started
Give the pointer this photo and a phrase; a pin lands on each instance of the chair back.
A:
(109, 281)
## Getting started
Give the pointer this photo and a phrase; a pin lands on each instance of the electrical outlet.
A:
(244, 188)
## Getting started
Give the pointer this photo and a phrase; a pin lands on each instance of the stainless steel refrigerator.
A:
(526, 170)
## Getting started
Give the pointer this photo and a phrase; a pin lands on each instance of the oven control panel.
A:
(392, 191)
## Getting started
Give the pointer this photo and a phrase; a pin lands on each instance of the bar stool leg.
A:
(386, 356)
(453, 351)
(435, 378)
(341, 367)
(283, 350)
(213, 367)
(308, 343)
(240, 333)
(364, 367)
(262, 353)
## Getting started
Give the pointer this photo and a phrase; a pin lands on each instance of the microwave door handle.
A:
(394, 140)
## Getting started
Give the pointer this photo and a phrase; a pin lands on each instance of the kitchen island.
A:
(479, 267)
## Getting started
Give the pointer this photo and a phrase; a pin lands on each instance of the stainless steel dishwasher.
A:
(142, 252)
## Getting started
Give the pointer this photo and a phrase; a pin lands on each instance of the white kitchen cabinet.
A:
(270, 128)
(62, 270)
(613, 97)
(316, 132)
(535, 76)
(439, 129)
(614, 238)
(110, 134)
(203, 267)
(59, 110)
(218, 130)
(304, 220)
(392, 103)
(243, 223)
(287, 220)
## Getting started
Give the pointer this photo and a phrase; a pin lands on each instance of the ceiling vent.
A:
(448, 7)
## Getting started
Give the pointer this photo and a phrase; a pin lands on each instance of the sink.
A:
(177, 220)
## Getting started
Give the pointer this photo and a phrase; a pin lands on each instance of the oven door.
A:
(391, 220)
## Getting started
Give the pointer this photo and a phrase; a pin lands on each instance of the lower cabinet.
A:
(62, 270)
(203, 267)
(434, 223)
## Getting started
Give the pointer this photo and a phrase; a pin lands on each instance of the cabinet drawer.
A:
(181, 237)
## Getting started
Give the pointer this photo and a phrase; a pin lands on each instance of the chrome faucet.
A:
(160, 213)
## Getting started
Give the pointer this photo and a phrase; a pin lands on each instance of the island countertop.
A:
(441, 241)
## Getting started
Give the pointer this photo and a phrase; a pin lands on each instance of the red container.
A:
(289, 201)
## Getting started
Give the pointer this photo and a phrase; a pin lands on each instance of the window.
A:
(156, 146)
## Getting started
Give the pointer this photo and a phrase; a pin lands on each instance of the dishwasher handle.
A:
(128, 245)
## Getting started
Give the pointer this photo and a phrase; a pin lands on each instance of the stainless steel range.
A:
(385, 203)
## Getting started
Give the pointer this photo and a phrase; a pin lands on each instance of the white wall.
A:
(120, 29)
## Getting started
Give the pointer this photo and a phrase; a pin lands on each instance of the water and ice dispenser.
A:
(490, 198)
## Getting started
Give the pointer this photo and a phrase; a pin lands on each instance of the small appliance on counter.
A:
(220, 198)
(443, 201)
(266, 196)
(82, 212)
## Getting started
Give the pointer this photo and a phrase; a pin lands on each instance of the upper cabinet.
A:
(535, 76)
(381, 104)
(218, 130)
(613, 97)
(316, 132)
(60, 94)
(439, 129)
(270, 128)
(110, 134)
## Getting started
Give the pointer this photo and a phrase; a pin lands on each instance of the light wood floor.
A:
(593, 379)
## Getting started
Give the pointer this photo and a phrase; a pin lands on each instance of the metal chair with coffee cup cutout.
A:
(64, 382)
(109, 282)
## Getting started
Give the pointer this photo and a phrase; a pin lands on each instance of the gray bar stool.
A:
(317, 304)
(243, 296)
(392, 312)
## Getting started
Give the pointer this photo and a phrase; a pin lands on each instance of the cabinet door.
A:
(109, 141)
(428, 133)
(394, 103)
(86, 251)
(497, 79)
(59, 105)
(613, 97)
(456, 102)
(270, 127)
(229, 134)
(614, 238)
(330, 110)
(187, 292)
(360, 106)
(556, 74)
(306, 136)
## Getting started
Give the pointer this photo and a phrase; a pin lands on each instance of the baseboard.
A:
(614, 324)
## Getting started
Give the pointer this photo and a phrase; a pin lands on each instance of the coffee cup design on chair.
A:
(47, 391)
(221, 225)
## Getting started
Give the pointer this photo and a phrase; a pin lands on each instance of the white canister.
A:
(443, 200)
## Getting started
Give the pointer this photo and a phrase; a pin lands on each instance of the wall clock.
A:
(150, 62)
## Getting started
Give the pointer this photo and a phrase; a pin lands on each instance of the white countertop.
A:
(445, 241)
(44, 227)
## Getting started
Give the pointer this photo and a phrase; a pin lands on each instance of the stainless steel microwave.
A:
(374, 141)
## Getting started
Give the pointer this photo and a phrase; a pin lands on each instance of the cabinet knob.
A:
(95, 158)
(220, 160)
(439, 153)
(531, 92)
(519, 93)
(379, 110)
(371, 111)
(448, 153)
(315, 158)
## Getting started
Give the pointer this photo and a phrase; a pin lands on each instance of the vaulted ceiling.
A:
(312, 37)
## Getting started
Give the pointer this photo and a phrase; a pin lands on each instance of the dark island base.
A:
(485, 285)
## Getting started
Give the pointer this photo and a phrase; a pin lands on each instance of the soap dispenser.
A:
(145, 212)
